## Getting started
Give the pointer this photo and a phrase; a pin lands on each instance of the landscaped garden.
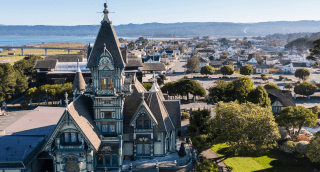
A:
(270, 161)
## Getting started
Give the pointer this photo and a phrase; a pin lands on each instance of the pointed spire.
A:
(66, 100)
(106, 12)
(78, 66)
(78, 82)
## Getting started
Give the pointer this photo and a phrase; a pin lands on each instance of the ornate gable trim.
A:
(66, 118)
(142, 110)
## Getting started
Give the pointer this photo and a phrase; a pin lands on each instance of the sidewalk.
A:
(209, 154)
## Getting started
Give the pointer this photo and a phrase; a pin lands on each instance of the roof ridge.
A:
(165, 109)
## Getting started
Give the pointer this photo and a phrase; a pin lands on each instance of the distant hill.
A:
(170, 29)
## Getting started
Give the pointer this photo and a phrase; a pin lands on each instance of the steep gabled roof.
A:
(173, 108)
(153, 67)
(66, 57)
(144, 105)
(106, 36)
(78, 82)
(83, 117)
(159, 111)
(284, 97)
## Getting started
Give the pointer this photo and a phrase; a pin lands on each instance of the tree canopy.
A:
(193, 63)
(226, 70)
(302, 73)
(300, 44)
(25, 66)
(298, 116)
(147, 85)
(186, 86)
(241, 90)
(201, 45)
(313, 151)
(11, 81)
(245, 127)
(170, 88)
(288, 86)
(246, 70)
(271, 85)
(131, 45)
(305, 88)
(207, 69)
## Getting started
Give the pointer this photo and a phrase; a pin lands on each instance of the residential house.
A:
(262, 69)
(271, 61)
(280, 99)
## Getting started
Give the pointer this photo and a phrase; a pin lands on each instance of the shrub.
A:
(184, 115)
(289, 147)
(303, 138)
(281, 77)
(302, 147)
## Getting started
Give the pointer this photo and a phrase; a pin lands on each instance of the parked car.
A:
(314, 81)
(318, 72)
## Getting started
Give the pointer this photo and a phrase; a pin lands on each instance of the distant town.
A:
(197, 103)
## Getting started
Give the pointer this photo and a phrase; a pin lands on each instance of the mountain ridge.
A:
(169, 29)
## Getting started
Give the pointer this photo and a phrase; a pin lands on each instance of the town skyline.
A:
(80, 12)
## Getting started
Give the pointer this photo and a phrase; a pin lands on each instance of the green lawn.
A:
(268, 162)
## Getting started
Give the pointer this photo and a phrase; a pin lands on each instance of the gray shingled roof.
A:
(106, 36)
(83, 117)
(134, 62)
(66, 57)
(78, 82)
(299, 64)
(46, 64)
(263, 66)
(285, 98)
(153, 67)
(173, 108)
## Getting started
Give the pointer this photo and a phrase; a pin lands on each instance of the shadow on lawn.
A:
(283, 162)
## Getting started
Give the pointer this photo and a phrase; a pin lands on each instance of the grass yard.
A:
(272, 161)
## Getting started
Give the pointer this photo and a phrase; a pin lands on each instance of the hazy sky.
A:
(84, 12)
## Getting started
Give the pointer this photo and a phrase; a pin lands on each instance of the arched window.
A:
(143, 122)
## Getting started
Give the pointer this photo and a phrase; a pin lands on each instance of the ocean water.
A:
(27, 40)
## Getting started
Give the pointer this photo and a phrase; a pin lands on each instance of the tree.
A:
(237, 89)
(182, 151)
(170, 88)
(121, 40)
(25, 66)
(206, 165)
(246, 70)
(300, 44)
(260, 96)
(264, 78)
(199, 122)
(7, 80)
(207, 69)
(142, 40)
(201, 46)
(245, 127)
(193, 63)
(21, 82)
(302, 73)
(186, 86)
(226, 70)
(199, 90)
(160, 79)
(311, 58)
(182, 49)
(223, 56)
(224, 41)
(305, 88)
(132, 45)
(298, 116)
(288, 86)
(313, 151)
(147, 85)
(271, 85)
(31, 93)
(243, 52)
(315, 51)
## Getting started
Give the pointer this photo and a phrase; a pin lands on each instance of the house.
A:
(203, 62)
(262, 69)
(280, 99)
(152, 59)
(216, 56)
(271, 61)
(114, 117)
(153, 67)
(252, 62)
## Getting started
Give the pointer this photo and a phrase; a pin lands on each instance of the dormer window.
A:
(71, 138)
(143, 122)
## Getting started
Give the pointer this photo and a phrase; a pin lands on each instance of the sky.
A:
(85, 12)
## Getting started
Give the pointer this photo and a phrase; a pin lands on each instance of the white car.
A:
(314, 81)
(318, 72)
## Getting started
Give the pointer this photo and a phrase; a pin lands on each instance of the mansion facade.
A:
(114, 118)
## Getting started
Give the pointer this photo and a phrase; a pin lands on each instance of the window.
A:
(110, 83)
(66, 137)
(73, 137)
(143, 121)
(112, 128)
(107, 157)
(105, 128)
(276, 109)
(114, 160)
(103, 84)
(108, 127)
(100, 159)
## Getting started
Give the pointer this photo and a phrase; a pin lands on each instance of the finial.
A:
(104, 48)
(66, 100)
(142, 96)
(106, 12)
(78, 66)
(154, 79)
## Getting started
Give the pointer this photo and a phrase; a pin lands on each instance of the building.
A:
(113, 118)
(262, 69)
(280, 99)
